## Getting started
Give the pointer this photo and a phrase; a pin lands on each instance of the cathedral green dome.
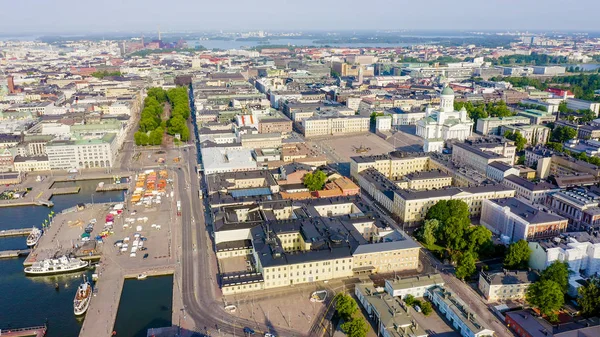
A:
(448, 91)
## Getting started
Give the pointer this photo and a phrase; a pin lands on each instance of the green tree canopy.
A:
(545, 295)
(517, 256)
(562, 134)
(519, 140)
(315, 181)
(558, 272)
(427, 233)
(357, 327)
(426, 308)
(589, 297)
(453, 233)
(140, 138)
(465, 266)
(478, 237)
(409, 300)
(345, 305)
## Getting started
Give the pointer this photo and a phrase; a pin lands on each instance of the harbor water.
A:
(144, 304)
(30, 301)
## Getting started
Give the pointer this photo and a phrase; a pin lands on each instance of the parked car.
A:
(146, 256)
(248, 331)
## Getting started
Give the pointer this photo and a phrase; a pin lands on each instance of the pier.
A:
(15, 232)
(7, 254)
(111, 187)
(37, 331)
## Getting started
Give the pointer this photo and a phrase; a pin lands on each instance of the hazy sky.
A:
(83, 16)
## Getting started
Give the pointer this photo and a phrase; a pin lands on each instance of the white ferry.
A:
(56, 266)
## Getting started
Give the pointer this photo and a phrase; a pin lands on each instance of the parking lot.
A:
(96, 228)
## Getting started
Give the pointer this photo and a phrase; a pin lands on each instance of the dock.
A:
(8, 254)
(15, 232)
(37, 331)
(111, 187)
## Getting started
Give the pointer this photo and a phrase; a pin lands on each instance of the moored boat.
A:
(61, 265)
(82, 298)
(34, 237)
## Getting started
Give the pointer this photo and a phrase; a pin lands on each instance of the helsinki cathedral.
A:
(444, 124)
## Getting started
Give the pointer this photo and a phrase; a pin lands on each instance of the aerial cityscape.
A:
(280, 178)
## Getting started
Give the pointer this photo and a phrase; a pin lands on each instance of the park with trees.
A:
(152, 126)
(448, 232)
(482, 110)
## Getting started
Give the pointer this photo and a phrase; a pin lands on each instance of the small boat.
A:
(34, 237)
(142, 276)
(94, 277)
(82, 298)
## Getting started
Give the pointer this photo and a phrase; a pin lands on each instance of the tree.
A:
(558, 147)
(315, 181)
(519, 140)
(373, 116)
(478, 237)
(559, 273)
(345, 305)
(409, 300)
(155, 137)
(545, 295)
(562, 107)
(428, 232)
(439, 211)
(141, 138)
(357, 327)
(589, 297)
(562, 134)
(517, 256)
(453, 233)
(426, 308)
(465, 266)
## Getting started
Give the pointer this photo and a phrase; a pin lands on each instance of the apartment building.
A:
(416, 286)
(85, 153)
(426, 180)
(534, 193)
(525, 323)
(492, 125)
(579, 104)
(307, 241)
(473, 156)
(535, 134)
(411, 206)
(31, 164)
(389, 314)
(261, 140)
(498, 171)
(579, 205)
(273, 125)
(506, 285)
(564, 165)
(393, 165)
(334, 125)
(516, 220)
(218, 160)
(580, 250)
(458, 313)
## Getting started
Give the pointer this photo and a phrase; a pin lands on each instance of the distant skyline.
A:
(110, 16)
